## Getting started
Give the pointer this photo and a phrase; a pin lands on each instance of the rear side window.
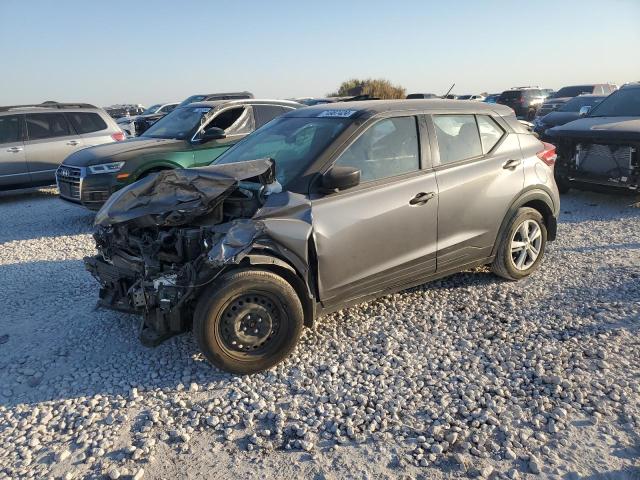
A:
(266, 113)
(10, 129)
(388, 148)
(86, 122)
(490, 132)
(47, 125)
(458, 137)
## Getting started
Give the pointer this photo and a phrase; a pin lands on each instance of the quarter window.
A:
(47, 125)
(458, 137)
(86, 122)
(9, 129)
(490, 132)
(388, 148)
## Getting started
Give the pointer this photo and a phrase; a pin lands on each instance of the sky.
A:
(162, 51)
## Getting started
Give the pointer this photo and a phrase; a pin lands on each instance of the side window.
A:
(388, 148)
(233, 121)
(265, 113)
(167, 108)
(490, 132)
(10, 129)
(458, 137)
(86, 122)
(47, 125)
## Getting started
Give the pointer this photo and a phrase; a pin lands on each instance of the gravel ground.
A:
(470, 376)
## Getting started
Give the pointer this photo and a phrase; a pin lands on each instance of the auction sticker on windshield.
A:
(337, 113)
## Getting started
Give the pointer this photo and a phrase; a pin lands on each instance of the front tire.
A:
(521, 246)
(248, 321)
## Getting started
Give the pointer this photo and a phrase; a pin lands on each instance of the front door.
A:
(383, 232)
(50, 139)
(13, 165)
(479, 173)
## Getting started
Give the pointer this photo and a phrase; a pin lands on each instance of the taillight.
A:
(548, 154)
(118, 136)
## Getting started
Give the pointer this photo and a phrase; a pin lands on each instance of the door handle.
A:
(73, 143)
(422, 198)
(14, 149)
(511, 164)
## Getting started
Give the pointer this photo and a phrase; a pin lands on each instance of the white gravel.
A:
(468, 376)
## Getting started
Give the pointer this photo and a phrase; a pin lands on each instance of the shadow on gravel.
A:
(42, 193)
(632, 473)
(576, 207)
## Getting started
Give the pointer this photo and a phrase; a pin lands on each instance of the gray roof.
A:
(373, 107)
(243, 101)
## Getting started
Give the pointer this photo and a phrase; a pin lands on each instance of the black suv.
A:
(525, 101)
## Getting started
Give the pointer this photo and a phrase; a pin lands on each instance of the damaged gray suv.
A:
(322, 208)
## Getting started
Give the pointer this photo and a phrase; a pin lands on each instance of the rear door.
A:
(13, 164)
(383, 232)
(50, 139)
(480, 172)
(236, 121)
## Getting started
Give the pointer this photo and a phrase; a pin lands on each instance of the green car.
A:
(193, 135)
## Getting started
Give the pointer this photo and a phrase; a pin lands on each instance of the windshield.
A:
(294, 143)
(464, 97)
(179, 124)
(622, 103)
(575, 104)
(573, 91)
(191, 99)
(151, 109)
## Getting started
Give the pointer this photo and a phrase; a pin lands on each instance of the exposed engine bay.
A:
(163, 239)
(612, 164)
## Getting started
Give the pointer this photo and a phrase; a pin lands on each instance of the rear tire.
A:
(521, 247)
(248, 321)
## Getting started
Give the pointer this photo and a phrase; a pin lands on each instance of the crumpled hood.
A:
(119, 151)
(606, 128)
(174, 197)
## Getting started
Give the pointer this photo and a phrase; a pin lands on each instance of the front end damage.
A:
(163, 239)
(603, 163)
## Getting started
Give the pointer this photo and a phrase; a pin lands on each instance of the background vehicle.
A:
(525, 101)
(208, 97)
(190, 136)
(118, 111)
(566, 113)
(138, 124)
(324, 207)
(476, 98)
(601, 149)
(309, 101)
(492, 98)
(413, 96)
(35, 139)
(562, 96)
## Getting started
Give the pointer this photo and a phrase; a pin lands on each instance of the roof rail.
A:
(48, 104)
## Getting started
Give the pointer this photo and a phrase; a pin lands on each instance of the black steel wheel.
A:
(248, 321)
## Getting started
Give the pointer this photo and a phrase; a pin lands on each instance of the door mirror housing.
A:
(213, 133)
(340, 178)
(584, 111)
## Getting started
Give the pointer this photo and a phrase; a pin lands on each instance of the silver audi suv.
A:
(321, 208)
(35, 139)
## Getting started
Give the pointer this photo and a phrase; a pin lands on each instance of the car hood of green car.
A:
(123, 151)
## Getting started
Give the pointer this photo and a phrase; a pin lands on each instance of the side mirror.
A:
(213, 133)
(340, 178)
(584, 111)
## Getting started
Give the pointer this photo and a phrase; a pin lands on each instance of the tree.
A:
(379, 88)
